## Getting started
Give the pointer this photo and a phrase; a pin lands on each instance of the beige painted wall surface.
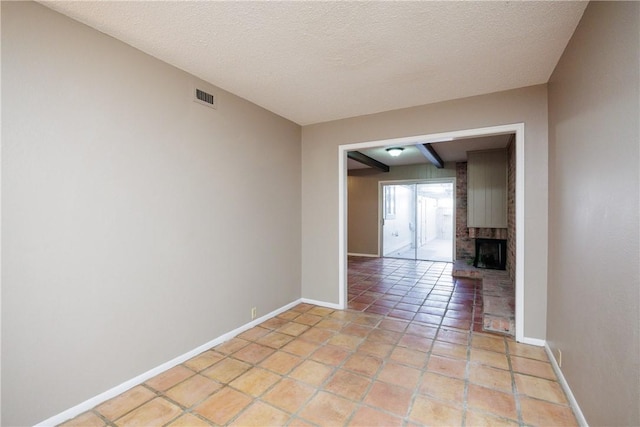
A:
(594, 282)
(363, 202)
(137, 224)
(320, 182)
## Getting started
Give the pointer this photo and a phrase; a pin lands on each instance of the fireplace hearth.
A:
(491, 253)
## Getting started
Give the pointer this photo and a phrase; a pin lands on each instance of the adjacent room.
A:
(450, 201)
(320, 213)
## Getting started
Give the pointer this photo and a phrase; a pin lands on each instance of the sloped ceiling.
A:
(318, 61)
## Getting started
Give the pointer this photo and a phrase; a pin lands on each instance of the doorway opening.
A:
(418, 220)
(518, 130)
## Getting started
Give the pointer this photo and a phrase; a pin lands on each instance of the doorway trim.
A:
(450, 180)
(517, 128)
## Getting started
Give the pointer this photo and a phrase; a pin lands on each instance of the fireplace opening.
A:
(491, 253)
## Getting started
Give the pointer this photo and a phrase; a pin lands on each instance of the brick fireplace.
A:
(491, 254)
(466, 237)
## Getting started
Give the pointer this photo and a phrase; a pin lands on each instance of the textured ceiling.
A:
(318, 61)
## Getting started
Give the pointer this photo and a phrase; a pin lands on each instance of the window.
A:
(389, 202)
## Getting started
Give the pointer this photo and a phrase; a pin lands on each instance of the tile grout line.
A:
(106, 420)
(428, 358)
(465, 399)
(372, 380)
(321, 386)
(335, 369)
(144, 385)
(516, 397)
(283, 377)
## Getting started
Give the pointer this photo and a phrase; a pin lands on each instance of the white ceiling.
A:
(449, 151)
(318, 61)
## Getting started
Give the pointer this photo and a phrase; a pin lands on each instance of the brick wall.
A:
(511, 209)
(465, 246)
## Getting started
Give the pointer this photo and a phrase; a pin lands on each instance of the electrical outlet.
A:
(559, 358)
(254, 313)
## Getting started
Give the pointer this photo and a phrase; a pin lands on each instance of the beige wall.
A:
(137, 224)
(594, 282)
(362, 188)
(320, 182)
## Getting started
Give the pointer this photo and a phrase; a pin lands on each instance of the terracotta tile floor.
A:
(419, 291)
(406, 353)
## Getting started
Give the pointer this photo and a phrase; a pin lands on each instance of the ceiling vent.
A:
(204, 98)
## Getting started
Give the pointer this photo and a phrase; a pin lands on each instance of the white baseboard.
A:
(119, 389)
(364, 255)
(322, 303)
(533, 341)
(582, 421)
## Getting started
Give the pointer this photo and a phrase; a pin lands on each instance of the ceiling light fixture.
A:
(395, 151)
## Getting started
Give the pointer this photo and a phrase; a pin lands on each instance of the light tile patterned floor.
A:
(316, 366)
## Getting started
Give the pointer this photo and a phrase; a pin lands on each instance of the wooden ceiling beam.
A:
(366, 160)
(430, 153)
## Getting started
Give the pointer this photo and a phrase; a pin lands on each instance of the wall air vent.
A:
(204, 98)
